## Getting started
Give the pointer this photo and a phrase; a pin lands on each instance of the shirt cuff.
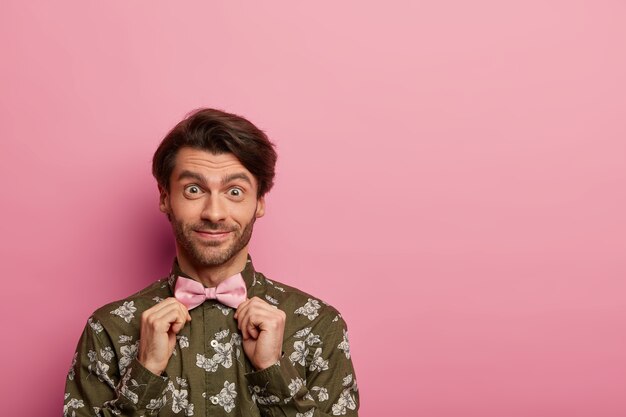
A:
(278, 383)
(140, 389)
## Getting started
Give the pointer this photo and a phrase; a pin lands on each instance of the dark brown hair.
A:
(218, 132)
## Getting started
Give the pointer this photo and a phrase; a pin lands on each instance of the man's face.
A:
(212, 203)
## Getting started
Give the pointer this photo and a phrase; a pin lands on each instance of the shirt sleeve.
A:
(329, 386)
(96, 386)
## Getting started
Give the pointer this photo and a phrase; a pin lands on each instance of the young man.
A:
(216, 337)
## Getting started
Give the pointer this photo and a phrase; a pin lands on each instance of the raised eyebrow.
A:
(193, 175)
(236, 176)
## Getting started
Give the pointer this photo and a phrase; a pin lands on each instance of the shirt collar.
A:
(248, 274)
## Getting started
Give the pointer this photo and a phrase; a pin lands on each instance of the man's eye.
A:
(192, 189)
(235, 192)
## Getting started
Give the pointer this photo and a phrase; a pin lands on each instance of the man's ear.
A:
(164, 201)
(260, 207)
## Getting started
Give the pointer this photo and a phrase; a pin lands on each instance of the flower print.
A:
(179, 400)
(303, 332)
(156, 403)
(226, 397)
(129, 352)
(224, 309)
(345, 344)
(95, 325)
(295, 385)
(271, 299)
(101, 369)
(299, 354)
(312, 339)
(92, 355)
(224, 355)
(318, 363)
(126, 311)
(71, 373)
(189, 410)
(126, 392)
(107, 353)
(124, 339)
(347, 380)
(183, 341)
(170, 386)
(309, 309)
(222, 334)
(345, 401)
(260, 397)
(235, 339)
(157, 299)
(307, 414)
(205, 363)
(182, 382)
(70, 407)
(322, 394)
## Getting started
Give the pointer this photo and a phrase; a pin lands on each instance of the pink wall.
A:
(471, 154)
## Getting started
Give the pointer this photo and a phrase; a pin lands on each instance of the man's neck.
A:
(211, 276)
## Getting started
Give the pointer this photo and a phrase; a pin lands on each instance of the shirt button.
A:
(214, 400)
(214, 343)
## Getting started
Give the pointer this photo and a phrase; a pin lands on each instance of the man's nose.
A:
(214, 209)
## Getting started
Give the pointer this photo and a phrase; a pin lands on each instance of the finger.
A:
(241, 310)
(185, 311)
(242, 325)
(241, 307)
(160, 306)
(265, 312)
(245, 324)
(253, 304)
(253, 332)
(254, 322)
(169, 319)
(256, 302)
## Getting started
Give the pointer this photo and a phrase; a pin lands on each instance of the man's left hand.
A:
(262, 326)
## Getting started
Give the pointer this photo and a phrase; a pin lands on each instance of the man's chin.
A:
(215, 257)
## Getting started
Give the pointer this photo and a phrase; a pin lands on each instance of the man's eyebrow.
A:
(192, 175)
(236, 176)
(225, 180)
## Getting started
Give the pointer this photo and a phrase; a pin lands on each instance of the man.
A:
(216, 337)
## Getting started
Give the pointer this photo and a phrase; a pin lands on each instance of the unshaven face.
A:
(212, 203)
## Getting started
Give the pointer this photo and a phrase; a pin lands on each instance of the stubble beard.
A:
(208, 254)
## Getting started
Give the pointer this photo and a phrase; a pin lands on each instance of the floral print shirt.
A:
(209, 373)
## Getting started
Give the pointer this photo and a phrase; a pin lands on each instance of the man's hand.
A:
(159, 326)
(262, 326)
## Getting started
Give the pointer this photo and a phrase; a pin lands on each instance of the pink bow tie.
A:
(230, 292)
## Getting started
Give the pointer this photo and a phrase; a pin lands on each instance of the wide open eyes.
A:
(193, 191)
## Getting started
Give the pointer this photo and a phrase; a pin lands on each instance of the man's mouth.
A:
(213, 234)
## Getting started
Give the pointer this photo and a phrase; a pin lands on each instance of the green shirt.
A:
(209, 373)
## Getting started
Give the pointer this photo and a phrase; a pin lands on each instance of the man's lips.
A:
(213, 234)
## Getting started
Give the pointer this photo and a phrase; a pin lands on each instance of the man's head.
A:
(213, 171)
(218, 132)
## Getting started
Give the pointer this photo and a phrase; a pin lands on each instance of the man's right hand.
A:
(159, 326)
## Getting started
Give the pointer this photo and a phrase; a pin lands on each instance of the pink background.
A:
(471, 154)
